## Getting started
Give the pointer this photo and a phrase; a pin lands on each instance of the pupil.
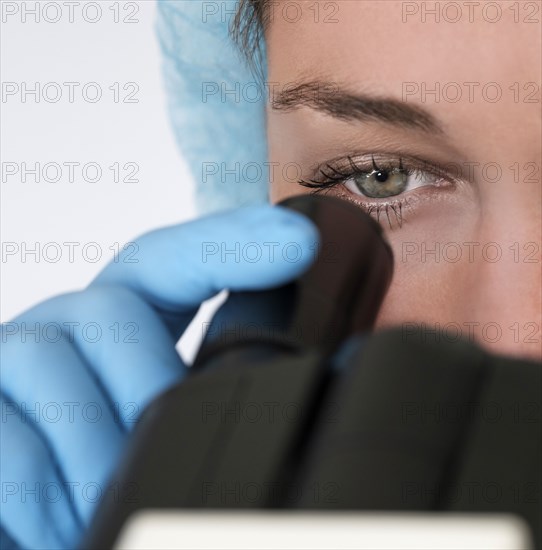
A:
(381, 176)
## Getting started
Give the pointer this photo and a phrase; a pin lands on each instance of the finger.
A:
(55, 391)
(252, 248)
(7, 542)
(118, 336)
(35, 503)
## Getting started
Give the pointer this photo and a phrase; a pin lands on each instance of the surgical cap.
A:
(217, 114)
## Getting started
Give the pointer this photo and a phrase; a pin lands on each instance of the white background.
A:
(104, 132)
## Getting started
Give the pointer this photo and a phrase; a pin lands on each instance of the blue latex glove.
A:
(87, 394)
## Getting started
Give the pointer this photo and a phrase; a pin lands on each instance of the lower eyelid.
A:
(394, 211)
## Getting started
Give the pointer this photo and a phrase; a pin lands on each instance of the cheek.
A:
(426, 286)
(415, 295)
(493, 303)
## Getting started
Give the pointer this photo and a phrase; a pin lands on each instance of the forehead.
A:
(391, 42)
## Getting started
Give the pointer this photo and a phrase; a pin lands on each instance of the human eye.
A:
(382, 185)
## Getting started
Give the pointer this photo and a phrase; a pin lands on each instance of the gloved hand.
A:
(70, 397)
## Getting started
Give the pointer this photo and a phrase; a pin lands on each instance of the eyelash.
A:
(337, 176)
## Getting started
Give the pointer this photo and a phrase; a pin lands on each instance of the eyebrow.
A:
(328, 98)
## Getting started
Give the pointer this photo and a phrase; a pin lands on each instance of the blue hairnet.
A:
(217, 115)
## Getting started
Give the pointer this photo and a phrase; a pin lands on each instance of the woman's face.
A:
(450, 114)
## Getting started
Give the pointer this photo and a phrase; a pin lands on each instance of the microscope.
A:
(312, 410)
